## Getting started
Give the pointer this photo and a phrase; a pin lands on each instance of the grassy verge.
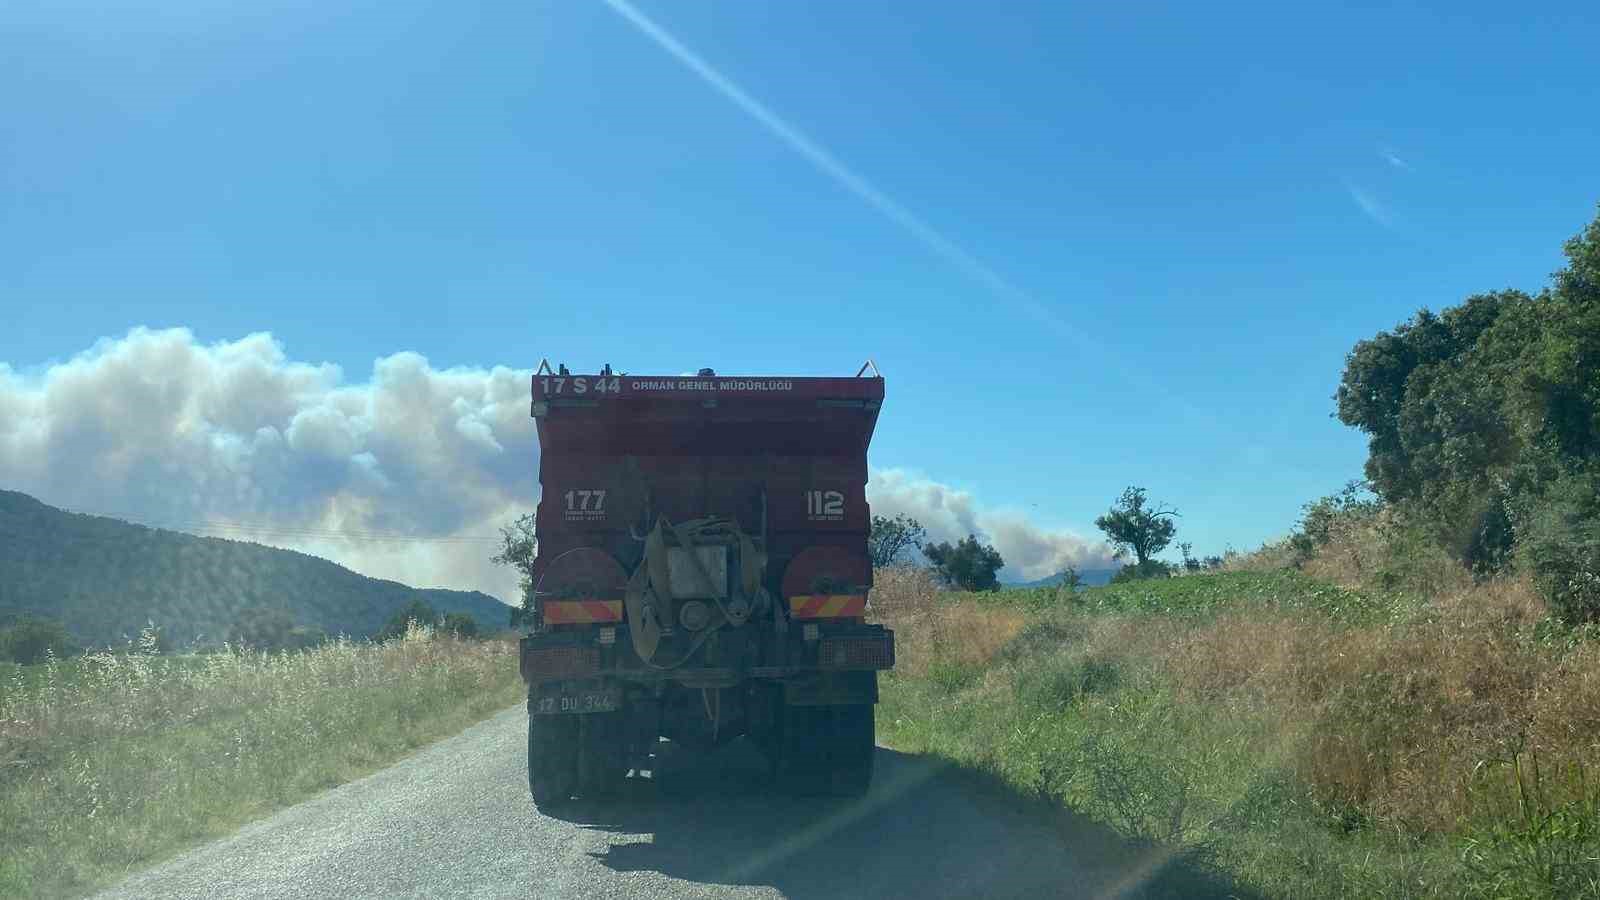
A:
(113, 761)
(1306, 739)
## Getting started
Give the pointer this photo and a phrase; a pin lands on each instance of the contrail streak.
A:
(1156, 393)
(815, 154)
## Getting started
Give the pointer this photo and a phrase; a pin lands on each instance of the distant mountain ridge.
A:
(1091, 578)
(105, 578)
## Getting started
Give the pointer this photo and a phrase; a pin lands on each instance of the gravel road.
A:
(455, 820)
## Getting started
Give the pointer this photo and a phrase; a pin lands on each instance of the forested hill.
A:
(105, 578)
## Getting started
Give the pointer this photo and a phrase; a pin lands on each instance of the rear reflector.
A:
(856, 653)
(828, 606)
(560, 662)
(581, 612)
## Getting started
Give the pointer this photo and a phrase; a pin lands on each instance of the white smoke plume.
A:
(407, 475)
(949, 515)
(160, 428)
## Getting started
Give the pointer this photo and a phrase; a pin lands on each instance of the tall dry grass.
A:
(932, 624)
(112, 760)
(1397, 720)
(1441, 738)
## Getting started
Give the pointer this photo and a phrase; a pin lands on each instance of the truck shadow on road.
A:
(926, 829)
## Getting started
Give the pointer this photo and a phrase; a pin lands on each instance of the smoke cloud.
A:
(406, 475)
(160, 428)
(949, 515)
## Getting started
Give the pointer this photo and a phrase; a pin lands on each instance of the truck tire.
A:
(603, 757)
(851, 748)
(552, 758)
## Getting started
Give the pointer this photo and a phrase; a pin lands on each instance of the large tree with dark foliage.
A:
(1484, 424)
(1136, 526)
(966, 564)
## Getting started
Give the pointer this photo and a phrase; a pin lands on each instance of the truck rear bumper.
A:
(740, 654)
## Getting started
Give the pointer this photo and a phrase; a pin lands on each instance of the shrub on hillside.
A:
(1333, 517)
(1150, 568)
(416, 611)
(29, 640)
(1390, 551)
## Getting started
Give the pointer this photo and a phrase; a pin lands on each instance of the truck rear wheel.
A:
(552, 758)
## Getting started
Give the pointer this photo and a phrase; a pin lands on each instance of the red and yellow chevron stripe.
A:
(828, 606)
(581, 612)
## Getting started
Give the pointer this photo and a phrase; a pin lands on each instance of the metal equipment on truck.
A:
(701, 574)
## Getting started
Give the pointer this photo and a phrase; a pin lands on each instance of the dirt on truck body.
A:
(701, 575)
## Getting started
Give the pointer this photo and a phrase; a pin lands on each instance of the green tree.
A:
(967, 564)
(1472, 414)
(891, 539)
(415, 611)
(518, 547)
(1133, 526)
(28, 639)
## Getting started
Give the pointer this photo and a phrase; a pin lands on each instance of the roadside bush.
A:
(1062, 679)
(1269, 557)
(1150, 568)
(1332, 518)
(951, 675)
(1561, 548)
(1530, 841)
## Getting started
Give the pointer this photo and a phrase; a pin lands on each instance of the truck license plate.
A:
(588, 701)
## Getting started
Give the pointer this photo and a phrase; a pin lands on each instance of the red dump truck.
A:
(702, 574)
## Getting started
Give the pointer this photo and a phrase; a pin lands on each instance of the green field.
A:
(1299, 738)
(110, 762)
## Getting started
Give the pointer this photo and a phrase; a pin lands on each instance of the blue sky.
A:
(1197, 209)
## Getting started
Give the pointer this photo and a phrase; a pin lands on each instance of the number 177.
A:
(580, 501)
